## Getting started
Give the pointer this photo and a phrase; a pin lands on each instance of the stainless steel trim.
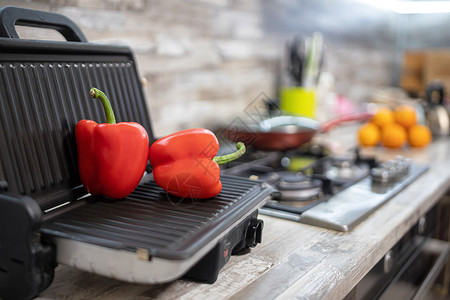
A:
(279, 214)
(444, 250)
(349, 207)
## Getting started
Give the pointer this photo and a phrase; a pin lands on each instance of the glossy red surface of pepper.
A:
(112, 157)
(184, 163)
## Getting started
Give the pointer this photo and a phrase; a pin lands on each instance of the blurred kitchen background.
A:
(204, 61)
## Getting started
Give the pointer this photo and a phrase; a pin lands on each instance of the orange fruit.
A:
(368, 135)
(419, 135)
(405, 115)
(382, 117)
(393, 135)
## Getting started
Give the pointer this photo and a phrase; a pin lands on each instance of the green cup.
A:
(298, 101)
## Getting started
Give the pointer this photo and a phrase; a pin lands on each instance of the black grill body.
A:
(45, 212)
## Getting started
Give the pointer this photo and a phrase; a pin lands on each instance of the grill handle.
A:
(11, 16)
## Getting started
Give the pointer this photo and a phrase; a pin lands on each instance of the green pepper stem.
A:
(96, 93)
(232, 156)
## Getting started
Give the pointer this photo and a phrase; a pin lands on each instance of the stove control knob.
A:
(253, 236)
(403, 163)
(381, 175)
(393, 167)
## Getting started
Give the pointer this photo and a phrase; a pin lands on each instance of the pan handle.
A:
(361, 116)
(11, 16)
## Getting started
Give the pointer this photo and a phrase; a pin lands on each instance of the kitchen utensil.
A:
(438, 120)
(314, 60)
(437, 115)
(286, 132)
(296, 58)
(305, 62)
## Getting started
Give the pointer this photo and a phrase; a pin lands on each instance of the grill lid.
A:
(44, 92)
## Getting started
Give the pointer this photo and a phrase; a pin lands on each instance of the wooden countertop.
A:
(294, 260)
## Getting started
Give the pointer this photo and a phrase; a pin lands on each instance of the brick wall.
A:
(204, 61)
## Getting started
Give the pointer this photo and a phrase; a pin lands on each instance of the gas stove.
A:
(325, 190)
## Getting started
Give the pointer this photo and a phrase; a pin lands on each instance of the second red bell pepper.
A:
(112, 157)
(184, 163)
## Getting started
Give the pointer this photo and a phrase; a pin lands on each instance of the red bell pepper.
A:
(112, 157)
(184, 163)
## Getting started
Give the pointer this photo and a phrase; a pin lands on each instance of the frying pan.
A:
(285, 132)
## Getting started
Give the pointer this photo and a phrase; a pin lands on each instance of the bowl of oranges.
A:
(394, 128)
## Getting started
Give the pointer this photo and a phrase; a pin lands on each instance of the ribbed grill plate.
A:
(151, 219)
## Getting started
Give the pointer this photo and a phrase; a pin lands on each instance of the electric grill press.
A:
(47, 217)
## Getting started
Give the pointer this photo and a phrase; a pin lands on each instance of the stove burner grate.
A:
(297, 186)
